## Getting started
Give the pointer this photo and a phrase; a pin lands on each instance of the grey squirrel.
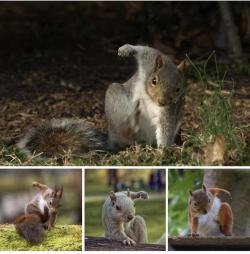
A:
(119, 219)
(146, 109)
(40, 214)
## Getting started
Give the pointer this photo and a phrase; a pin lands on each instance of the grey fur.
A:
(134, 113)
(82, 136)
(123, 225)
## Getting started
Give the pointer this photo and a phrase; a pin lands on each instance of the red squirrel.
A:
(40, 214)
(207, 215)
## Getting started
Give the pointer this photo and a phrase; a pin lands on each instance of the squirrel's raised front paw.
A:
(143, 195)
(34, 184)
(126, 50)
(129, 242)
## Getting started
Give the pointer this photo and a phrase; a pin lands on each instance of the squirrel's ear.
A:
(182, 66)
(191, 193)
(61, 192)
(158, 63)
(128, 192)
(204, 188)
(112, 197)
(54, 193)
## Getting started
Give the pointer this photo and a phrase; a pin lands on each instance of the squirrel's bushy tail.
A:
(31, 228)
(60, 137)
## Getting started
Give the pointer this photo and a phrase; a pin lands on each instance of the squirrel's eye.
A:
(50, 202)
(118, 207)
(209, 200)
(154, 81)
(195, 204)
(177, 90)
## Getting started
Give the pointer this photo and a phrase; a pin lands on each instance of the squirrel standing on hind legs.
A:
(119, 219)
(207, 215)
(147, 109)
(40, 213)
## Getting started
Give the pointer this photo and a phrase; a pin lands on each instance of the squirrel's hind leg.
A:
(226, 219)
(122, 116)
(137, 230)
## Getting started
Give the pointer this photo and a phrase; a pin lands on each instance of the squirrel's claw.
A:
(129, 242)
(193, 235)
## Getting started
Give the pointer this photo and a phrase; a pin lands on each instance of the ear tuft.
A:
(191, 193)
(61, 192)
(128, 192)
(204, 188)
(112, 197)
(182, 66)
(158, 62)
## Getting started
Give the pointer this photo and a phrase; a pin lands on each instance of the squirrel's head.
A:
(54, 199)
(200, 201)
(122, 206)
(166, 83)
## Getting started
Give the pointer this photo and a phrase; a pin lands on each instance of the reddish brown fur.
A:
(193, 222)
(33, 217)
(200, 198)
(226, 219)
(216, 191)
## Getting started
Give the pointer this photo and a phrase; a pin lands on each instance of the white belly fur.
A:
(208, 225)
(149, 114)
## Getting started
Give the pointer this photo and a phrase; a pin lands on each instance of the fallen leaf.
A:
(215, 153)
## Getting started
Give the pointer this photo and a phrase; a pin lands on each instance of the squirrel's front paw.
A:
(143, 195)
(126, 50)
(129, 242)
(193, 235)
(34, 184)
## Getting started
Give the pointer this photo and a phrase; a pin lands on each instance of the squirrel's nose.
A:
(130, 217)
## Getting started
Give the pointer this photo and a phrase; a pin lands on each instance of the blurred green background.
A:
(16, 190)
(98, 184)
(180, 181)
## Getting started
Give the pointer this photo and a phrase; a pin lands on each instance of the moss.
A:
(60, 238)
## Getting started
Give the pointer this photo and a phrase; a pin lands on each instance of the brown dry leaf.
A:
(215, 153)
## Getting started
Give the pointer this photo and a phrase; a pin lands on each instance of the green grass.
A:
(178, 194)
(60, 238)
(216, 113)
(153, 211)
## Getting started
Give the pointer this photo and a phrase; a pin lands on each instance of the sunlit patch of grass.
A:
(60, 238)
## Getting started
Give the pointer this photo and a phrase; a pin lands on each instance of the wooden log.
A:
(102, 244)
(209, 243)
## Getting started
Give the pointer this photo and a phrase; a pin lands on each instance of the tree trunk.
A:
(233, 39)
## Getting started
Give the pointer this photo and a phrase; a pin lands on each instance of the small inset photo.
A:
(125, 209)
(208, 209)
(40, 209)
